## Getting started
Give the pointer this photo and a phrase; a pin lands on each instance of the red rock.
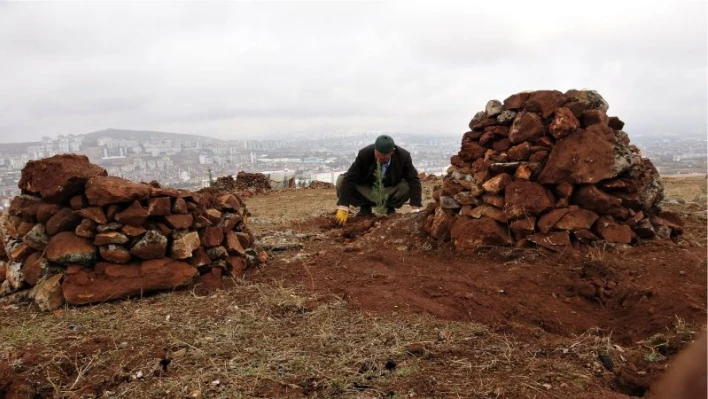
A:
(439, 224)
(86, 229)
(592, 198)
(37, 238)
(548, 220)
(523, 227)
(501, 131)
(577, 219)
(644, 229)
(110, 237)
(615, 123)
(494, 200)
(520, 152)
(200, 257)
(246, 239)
(19, 252)
(634, 219)
(483, 124)
(526, 126)
(524, 172)
(649, 190)
(24, 206)
(611, 231)
(94, 213)
(34, 267)
(77, 202)
(179, 222)
(564, 190)
(484, 211)
(237, 265)
(134, 215)
(24, 228)
(159, 206)
(471, 136)
(233, 245)
(523, 198)
(585, 236)
(576, 107)
(466, 198)
(58, 178)
(64, 220)
(111, 281)
(590, 99)
(666, 220)
(213, 215)
(585, 156)
(183, 244)
(104, 190)
(48, 294)
(152, 245)
(468, 233)
(564, 123)
(497, 184)
(545, 102)
(132, 231)
(230, 221)
(538, 156)
(111, 211)
(593, 117)
(46, 211)
(66, 247)
(555, 241)
(515, 101)
(501, 145)
(217, 253)
(115, 253)
(487, 139)
(471, 151)
(180, 206)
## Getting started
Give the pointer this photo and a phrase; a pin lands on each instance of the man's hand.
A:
(342, 214)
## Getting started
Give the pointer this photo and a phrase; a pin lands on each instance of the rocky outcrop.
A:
(550, 169)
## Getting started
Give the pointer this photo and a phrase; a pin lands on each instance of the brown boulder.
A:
(213, 215)
(588, 99)
(564, 123)
(68, 248)
(180, 206)
(37, 238)
(104, 190)
(497, 184)
(585, 236)
(134, 215)
(611, 231)
(86, 229)
(94, 213)
(594, 117)
(468, 233)
(19, 252)
(58, 178)
(152, 245)
(484, 211)
(183, 244)
(523, 198)
(48, 294)
(471, 151)
(564, 190)
(179, 222)
(526, 126)
(520, 152)
(516, 101)
(110, 237)
(439, 224)
(25, 206)
(615, 123)
(545, 102)
(200, 257)
(159, 206)
(64, 220)
(34, 267)
(555, 241)
(77, 202)
(114, 253)
(501, 145)
(592, 198)
(110, 281)
(523, 172)
(585, 156)
(494, 200)
(133, 231)
(523, 227)
(577, 219)
(233, 245)
(46, 211)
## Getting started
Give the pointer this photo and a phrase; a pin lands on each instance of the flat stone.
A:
(611, 231)
(133, 231)
(115, 253)
(468, 233)
(64, 220)
(228, 202)
(46, 211)
(104, 190)
(520, 152)
(592, 198)
(485, 211)
(577, 219)
(585, 236)
(48, 294)
(110, 237)
(68, 248)
(37, 238)
(526, 126)
(113, 281)
(134, 215)
(213, 215)
(159, 206)
(548, 220)
(233, 245)
(19, 252)
(34, 268)
(555, 241)
(180, 206)
(179, 222)
(516, 101)
(94, 213)
(497, 184)
(545, 102)
(523, 227)
(524, 198)
(86, 229)
(183, 244)
(200, 257)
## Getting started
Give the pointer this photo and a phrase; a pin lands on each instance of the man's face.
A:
(381, 157)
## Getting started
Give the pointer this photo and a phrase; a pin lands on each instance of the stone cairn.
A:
(76, 234)
(550, 169)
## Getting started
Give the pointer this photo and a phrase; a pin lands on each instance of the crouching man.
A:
(400, 179)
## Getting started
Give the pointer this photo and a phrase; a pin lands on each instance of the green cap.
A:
(384, 144)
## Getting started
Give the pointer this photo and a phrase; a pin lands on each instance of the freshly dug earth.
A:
(375, 310)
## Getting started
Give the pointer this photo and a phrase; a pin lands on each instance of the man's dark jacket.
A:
(362, 172)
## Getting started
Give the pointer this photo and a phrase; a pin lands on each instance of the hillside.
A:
(124, 134)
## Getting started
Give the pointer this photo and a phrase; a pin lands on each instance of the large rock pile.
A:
(552, 169)
(78, 235)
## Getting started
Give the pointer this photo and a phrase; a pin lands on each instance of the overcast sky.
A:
(275, 69)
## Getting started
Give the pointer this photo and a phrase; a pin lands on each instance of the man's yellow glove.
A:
(342, 215)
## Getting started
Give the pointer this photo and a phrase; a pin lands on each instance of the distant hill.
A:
(90, 138)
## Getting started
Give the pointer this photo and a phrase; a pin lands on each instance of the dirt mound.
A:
(115, 238)
(550, 169)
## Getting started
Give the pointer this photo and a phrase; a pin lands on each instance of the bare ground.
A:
(374, 310)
